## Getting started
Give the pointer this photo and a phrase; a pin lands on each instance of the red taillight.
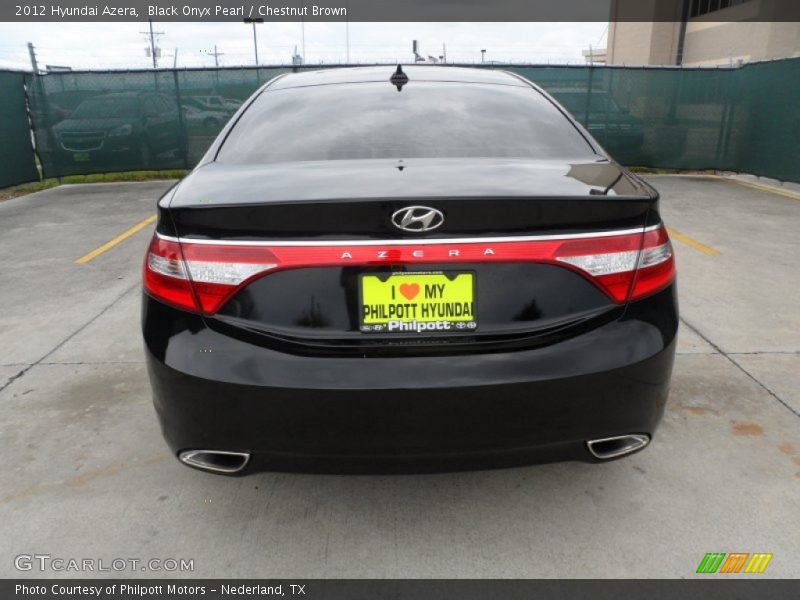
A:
(656, 264)
(165, 275)
(625, 268)
(201, 276)
(217, 272)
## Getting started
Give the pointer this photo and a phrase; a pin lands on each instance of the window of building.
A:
(703, 7)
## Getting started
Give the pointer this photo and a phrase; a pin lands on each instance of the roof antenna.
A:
(399, 78)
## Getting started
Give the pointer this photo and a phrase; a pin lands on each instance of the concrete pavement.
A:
(87, 475)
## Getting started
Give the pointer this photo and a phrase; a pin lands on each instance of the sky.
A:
(122, 45)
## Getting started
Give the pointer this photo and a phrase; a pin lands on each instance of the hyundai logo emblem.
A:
(417, 218)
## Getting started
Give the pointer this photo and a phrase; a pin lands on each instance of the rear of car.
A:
(439, 271)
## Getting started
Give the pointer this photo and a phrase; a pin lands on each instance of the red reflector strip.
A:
(287, 257)
(217, 270)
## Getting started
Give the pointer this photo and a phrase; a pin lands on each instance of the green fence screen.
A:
(17, 162)
(739, 119)
(731, 119)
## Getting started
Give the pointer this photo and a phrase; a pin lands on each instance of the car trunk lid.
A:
(285, 254)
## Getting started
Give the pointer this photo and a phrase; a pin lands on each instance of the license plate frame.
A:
(454, 312)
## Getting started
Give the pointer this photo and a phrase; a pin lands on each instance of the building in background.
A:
(595, 55)
(700, 33)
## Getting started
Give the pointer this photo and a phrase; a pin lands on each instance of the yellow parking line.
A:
(766, 188)
(677, 235)
(111, 243)
(758, 186)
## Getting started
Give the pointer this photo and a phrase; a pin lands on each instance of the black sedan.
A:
(422, 268)
(119, 130)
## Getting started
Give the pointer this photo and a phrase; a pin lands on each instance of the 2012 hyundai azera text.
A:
(407, 269)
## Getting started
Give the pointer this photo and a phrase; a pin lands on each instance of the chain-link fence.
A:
(739, 119)
(104, 121)
(731, 119)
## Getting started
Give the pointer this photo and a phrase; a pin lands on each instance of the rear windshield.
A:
(424, 120)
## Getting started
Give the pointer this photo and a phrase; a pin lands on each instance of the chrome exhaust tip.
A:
(619, 445)
(216, 461)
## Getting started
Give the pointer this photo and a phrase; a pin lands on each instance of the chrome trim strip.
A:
(407, 242)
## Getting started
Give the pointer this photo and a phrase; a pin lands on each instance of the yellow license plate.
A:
(417, 302)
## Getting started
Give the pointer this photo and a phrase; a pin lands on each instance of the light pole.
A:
(153, 51)
(153, 45)
(255, 39)
(483, 54)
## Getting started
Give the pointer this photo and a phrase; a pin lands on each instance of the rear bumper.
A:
(414, 413)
